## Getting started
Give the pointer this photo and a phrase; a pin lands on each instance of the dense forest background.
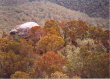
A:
(65, 49)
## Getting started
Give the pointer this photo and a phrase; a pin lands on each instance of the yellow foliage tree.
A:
(53, 25)
(52, 30)
(19, 74)
(50, 43)
(10, 62)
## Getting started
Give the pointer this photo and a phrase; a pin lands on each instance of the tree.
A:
(53, 31)
(99, 62)
(25, 48)
(91, 30)
(105, 40)
(65, 34)
(67, 51)
(71, 34)
(49, 63)
(4, 42)
(50, 43)
(53, 25)
(88, 64)
(4, 34)
(105, 35)
(73, 30)
(12, 46)
(36, 33)
(95, 32)
(100, 35)
(10, 62)
(80, 28)
(20, 74)
(58, 75)
(22, 47)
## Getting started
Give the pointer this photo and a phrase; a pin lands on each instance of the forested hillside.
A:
(94, 8)
(39, 11)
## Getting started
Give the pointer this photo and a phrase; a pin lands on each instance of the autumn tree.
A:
(74, 29)
(88, 64)
(58, 75)
(12, 46)
(22, 47)
(100, 35)
(52, 24)
(72, 35)
(50, 43)
(80, 28)
(36, 33)
(4, 34)
(99, 62)
(20, 74)
(65, 34)
(105, 40)
(4, 42)
(67, 51)
(26, 48)
(91, 30)
(10, 62)
(95, 32)
(52, 31)
(49, 63)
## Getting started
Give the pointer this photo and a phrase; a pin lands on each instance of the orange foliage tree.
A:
(49, 63)
(36, 33)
